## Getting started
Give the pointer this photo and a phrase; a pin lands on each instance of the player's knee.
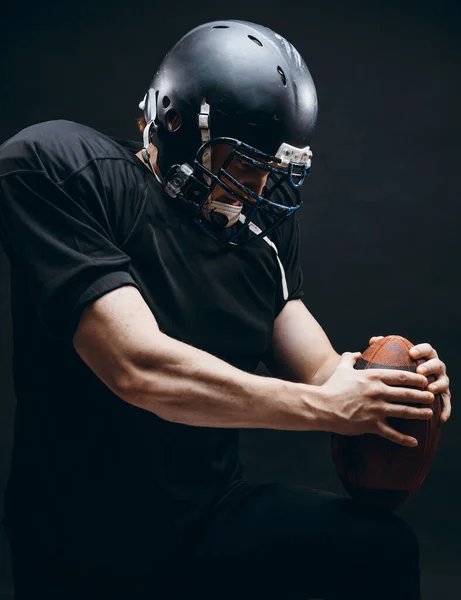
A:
(404, 538)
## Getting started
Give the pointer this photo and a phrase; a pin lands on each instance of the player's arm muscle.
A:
(300, 350)
(113, 333)
(119, 339)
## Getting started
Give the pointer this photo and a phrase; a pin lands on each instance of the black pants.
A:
(263, 541)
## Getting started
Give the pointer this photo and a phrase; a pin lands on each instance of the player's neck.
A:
(152, 162)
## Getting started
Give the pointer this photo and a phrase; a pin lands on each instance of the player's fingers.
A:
(375, 339)
(407, 412)
(398, 377)
(403, 395)
(348, 359)
(423, 351)
(386, 431)
(434, 366)
(440, 386)
(446, 404)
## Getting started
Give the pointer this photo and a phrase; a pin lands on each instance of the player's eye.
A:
(241, 164)
(244, 166)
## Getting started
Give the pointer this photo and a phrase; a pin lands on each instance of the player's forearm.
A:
(186, 385)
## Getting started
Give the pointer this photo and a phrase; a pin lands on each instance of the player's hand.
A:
(433, 366)
(361, 401)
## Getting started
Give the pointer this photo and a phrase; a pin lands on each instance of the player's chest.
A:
(221, 301)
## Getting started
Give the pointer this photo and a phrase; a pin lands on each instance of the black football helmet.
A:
(240, 84)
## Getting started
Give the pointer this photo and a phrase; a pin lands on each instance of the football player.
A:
(148, 282)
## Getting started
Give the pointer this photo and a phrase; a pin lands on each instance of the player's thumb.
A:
(348, 359)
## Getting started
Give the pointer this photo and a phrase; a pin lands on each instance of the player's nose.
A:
(254, 181)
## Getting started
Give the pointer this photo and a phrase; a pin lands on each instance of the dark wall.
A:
(381, 221)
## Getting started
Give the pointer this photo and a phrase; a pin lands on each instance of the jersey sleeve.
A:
(291, 279)
(62, 244)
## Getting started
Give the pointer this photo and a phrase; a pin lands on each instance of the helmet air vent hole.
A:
(156, 104)
(173, 120)
(220, 27)
(255, 40)
(282, 76)
(166, 102)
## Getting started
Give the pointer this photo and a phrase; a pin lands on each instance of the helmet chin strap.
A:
(220, 213)
(149, 108)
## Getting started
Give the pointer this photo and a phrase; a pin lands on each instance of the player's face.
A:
(247, 174)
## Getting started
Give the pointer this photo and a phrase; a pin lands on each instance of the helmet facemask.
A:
(261, 213)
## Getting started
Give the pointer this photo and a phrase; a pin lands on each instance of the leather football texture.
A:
(373, 470)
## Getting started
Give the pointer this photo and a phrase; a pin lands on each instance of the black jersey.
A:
(91, 475)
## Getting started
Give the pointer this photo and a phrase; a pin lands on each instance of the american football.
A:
(374, 470)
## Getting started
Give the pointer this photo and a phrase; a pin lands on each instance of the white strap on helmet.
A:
(230, 211)
(204, 125)
(149, 107)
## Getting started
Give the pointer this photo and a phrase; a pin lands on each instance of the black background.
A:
(381, 221)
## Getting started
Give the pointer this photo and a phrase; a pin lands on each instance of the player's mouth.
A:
(230, 200)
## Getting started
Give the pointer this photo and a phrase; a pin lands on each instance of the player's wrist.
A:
(319, 407)
(305, 406)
